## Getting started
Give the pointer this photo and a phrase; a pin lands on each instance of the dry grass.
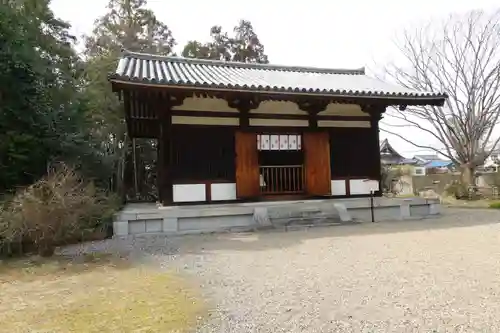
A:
(93, 294)
(56, 208)
(452, 202)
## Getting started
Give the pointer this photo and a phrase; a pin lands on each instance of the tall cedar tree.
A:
(128, 24)
(244, 46)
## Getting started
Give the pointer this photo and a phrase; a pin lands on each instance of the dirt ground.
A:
(94, 293)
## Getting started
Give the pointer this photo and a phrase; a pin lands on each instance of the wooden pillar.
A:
(244, 117)
(165, 184)
(375, 113)
(244, 104)
(163, 104)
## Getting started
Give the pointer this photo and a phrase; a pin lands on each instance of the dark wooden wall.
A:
(202, 153)
(354, 153)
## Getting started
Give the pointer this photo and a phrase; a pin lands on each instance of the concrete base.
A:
(138, 219)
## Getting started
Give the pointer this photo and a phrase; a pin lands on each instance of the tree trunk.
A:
(120, 174)
(468, 175)
(46, 247)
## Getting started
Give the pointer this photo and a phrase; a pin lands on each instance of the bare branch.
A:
(460, 57)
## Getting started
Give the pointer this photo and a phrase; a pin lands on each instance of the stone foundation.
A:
(138, 219)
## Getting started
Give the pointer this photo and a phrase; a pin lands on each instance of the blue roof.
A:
(438, 164)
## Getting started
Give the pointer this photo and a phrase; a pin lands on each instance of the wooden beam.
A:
(226, 114)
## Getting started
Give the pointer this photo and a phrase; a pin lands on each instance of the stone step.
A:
(284, 216)
(306, 218)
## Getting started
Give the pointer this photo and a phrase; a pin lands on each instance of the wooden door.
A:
(317, 163)
(247, 165)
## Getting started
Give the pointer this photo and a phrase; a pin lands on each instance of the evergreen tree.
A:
(244, 46)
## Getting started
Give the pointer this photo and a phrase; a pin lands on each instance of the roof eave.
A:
(396, 99)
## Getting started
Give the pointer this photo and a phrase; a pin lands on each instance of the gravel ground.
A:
(435, 275)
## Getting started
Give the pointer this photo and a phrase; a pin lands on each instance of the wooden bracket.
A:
(176, 100)
(375, 111)
(313, 107)
(243, 103)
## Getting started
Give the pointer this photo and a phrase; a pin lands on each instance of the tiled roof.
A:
(210, 74)
(385, 146)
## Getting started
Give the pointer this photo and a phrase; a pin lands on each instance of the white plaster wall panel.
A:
(279, 107)
(279, 122)
(223, 191)
(344, 123)
(362, 186)
(189, 193)
(338, 187)
(372, 185)
(343, 110)
(205, 104)
(358, 186)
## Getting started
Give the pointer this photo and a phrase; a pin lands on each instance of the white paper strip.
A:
(264, 143)
(284, 142)
(275, 145)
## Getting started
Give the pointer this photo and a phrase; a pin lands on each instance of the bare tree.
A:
(460, 57)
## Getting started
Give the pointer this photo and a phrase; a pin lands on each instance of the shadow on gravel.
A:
(275, 239)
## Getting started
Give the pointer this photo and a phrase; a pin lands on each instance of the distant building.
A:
(493, 161)
(433, 163)
(421, 164)
(388, 155)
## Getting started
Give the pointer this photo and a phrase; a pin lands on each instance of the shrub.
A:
(56, 208)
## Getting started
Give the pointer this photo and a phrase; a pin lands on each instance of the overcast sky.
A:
(320, 33)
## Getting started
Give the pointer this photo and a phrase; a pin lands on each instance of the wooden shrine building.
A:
(238, 132)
